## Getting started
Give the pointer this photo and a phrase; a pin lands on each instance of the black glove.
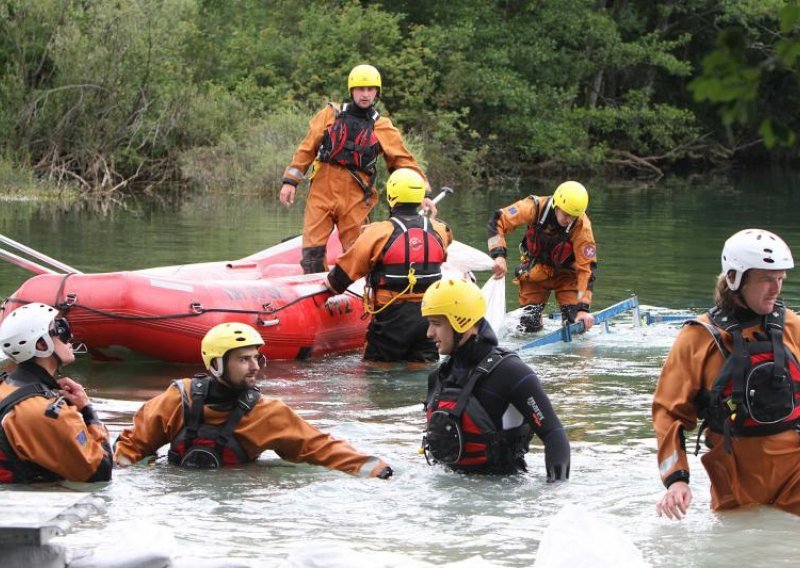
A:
(90, 416)
(385, 473)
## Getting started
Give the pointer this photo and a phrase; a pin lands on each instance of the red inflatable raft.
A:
(164, 312)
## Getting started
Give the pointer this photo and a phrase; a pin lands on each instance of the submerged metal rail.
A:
(566, 332)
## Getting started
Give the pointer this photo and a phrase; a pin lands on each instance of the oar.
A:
(442, 194)
(34, 267)
(41, 257)
(566, 332)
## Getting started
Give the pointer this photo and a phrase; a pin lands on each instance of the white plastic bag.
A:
(494, 292)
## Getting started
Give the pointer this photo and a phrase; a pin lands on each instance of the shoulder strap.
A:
(399, 223)
(715, 335)
(244, 404)
(773, 323)
(193, 414)
(486, 366)
(22, 393)
(541, 218)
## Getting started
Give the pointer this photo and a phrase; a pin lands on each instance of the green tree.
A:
(752, 74)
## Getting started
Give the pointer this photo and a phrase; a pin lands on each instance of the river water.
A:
(662, 243)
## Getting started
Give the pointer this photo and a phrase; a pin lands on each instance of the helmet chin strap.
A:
(216, 368)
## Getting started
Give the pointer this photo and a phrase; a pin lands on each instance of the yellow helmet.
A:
(364, 76)
(460, 301)
(222, 338)
(571, 197)
(405, 186)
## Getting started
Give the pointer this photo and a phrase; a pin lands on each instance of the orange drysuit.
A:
(759, 469)
(49, 442)
(567, 262)
(270, 425)
(397, 332)
(335, 197)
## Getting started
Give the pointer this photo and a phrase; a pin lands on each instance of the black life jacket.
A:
(461, 434)
(414, 243)
(350, 140)
(545, 241)
(757, 389)
(201, 445)
(12, 469)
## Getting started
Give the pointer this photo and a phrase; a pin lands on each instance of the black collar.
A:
(30, 373)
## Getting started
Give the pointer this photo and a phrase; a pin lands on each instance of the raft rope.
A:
(196, 308)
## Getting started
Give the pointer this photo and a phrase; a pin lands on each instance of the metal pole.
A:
(25, 263)
(38, 255)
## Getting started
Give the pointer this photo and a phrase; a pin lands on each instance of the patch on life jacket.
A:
(82, 439)
(589, 251)
(512, 210)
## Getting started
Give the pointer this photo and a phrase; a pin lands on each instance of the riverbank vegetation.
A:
(110, 97)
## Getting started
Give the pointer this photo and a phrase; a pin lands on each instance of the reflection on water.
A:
(663, 243)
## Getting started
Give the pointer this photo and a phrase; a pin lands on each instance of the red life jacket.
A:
(547, 242)
(757, 391)
(201, 445)
(350, 141)
(414, 243)
(459, 432)
(12, 469)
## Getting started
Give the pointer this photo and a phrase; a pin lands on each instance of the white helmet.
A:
(753, 248)
(22, 329)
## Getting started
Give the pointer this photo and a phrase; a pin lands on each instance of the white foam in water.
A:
(576, 537)
(334, 555)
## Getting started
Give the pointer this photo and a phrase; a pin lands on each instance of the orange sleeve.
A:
(307, 150)
(585, 251)
(272, 425)
(394, 149)
(505, 220)
(64, 445)
(692, 359)
(365, 253)
(156, 423)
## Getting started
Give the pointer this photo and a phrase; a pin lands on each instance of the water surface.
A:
(661, 242)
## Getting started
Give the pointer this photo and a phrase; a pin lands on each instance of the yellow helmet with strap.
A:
(571, 197)
(460, 301)
(405, 186)
(364, 76)
(222, 338)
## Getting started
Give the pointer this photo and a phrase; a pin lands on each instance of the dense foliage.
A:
(115, 95)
